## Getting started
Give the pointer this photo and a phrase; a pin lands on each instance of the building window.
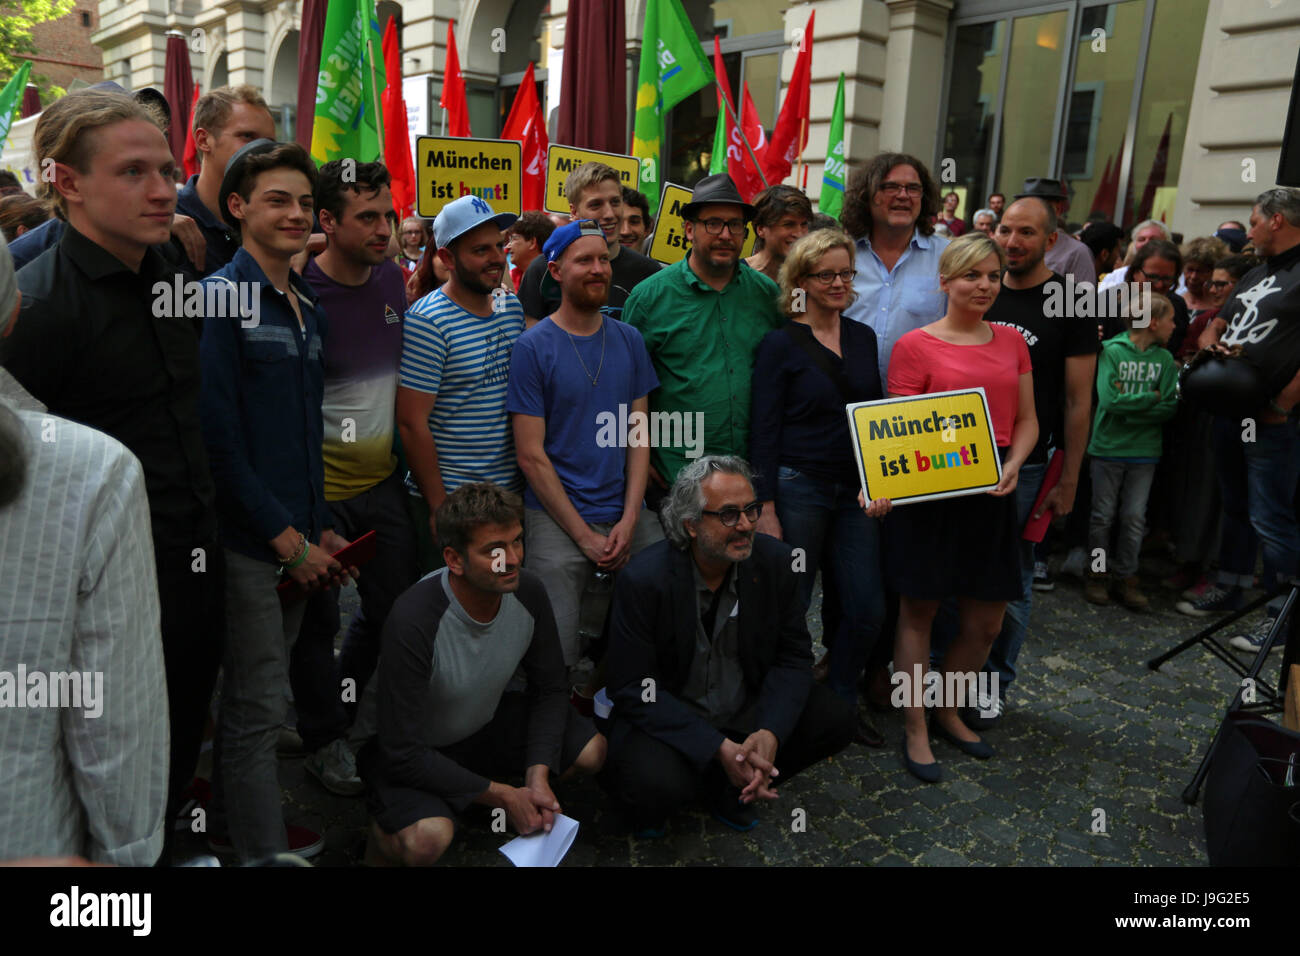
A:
(85, 18)
(1003, 130)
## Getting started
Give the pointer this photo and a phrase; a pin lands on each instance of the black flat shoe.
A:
(974, 748)
(867, 734)
(927, 772)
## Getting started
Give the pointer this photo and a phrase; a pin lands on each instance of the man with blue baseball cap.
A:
(451, 399)
(578, 379)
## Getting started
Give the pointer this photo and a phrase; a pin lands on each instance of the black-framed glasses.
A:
(893, 189)
(827, 277)
(714, 227)
(730, 517)
(1218, 283)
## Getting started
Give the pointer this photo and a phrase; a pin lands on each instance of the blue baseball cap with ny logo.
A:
(461, 215)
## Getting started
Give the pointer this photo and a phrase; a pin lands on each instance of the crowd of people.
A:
(585, 497)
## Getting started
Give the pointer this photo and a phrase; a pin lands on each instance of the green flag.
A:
(718, 161)
(832, 198)
(11, 98)
(351, 78)
(674, 68)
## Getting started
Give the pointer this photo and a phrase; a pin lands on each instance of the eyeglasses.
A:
(893, 189)
(1157, 279)
(730, 517)
(827, 277)
(714, 227)
(1218, 283)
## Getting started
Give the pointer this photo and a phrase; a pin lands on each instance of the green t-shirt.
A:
(702, 343)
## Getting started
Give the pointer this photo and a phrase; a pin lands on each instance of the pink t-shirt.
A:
(921, 364)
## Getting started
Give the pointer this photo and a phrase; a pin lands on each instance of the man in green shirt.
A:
(702, 320)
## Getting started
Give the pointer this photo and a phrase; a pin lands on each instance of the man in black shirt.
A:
(97, 344)
(1258, 477)
(594, 192)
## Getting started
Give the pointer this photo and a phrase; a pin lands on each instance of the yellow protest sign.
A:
(562, 160)
(448, 167)
(670, 244)
(925, 446)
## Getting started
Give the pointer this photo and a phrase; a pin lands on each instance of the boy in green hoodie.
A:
(1137, 381)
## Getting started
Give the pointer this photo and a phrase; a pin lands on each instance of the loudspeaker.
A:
(1288, 167)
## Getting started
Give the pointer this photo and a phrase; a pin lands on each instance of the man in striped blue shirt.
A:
(456, 345)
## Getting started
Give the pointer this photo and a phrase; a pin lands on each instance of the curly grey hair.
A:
(685, 500)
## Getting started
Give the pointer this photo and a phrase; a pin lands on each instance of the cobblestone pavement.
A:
(1089, 728)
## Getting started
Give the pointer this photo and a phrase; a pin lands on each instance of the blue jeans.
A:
(823, 519)
(1272, 469)
(1015, 623)
(1120, 490)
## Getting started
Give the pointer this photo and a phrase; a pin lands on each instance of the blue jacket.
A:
(260, 408)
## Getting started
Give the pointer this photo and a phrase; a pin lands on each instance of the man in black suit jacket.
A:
(710, 663)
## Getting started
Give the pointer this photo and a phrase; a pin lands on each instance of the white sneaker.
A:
(336, 769)
(1074, 563)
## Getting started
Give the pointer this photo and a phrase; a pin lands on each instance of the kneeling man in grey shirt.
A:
(441, 728)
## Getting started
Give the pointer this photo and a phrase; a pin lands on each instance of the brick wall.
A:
(63, 48)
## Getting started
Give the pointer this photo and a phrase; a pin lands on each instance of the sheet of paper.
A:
(543, 849)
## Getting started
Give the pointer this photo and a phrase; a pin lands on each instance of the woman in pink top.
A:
(966, 547)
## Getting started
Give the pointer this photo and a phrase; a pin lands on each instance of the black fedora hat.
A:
(716, 190)
(1043, 188)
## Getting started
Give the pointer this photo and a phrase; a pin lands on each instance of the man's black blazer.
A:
(652, 625)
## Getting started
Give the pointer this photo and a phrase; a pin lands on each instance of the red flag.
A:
(740, 167)
(1102, 185)
(527, 123)
(191, 158)
(453, 90)
(753, 126)
(397, 144)
(791, 133)
(1159, 167)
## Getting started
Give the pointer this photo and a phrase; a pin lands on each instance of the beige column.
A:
(914, 68)
(1238, 112)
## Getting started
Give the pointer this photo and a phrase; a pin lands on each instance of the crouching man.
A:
(710, 661)
(443, 727)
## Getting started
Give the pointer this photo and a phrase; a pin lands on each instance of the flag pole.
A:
(374, 89)
(741, 130)
(799, 168)
(444, 122)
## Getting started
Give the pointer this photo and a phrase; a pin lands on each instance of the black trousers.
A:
(653, 780)
(191, 592)
(315, 676)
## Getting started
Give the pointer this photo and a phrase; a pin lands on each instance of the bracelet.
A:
(300, 559)
(298, 554)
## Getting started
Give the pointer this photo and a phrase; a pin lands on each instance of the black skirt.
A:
(955, 547)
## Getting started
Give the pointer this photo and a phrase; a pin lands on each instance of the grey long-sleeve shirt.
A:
(441, 676)
(83, 733)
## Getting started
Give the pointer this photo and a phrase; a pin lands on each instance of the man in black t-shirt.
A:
(594, 192)
(1063, 351)
(1259, 467)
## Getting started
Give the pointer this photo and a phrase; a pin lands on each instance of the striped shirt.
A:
(464, 359)
(83, 702)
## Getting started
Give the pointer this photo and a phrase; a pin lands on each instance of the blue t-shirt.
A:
(586, 429)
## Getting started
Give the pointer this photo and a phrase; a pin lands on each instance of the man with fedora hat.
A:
(1069, 256)
(702, 319)
(456, 345)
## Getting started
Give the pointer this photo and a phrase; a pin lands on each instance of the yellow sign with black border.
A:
(670, 244)
(448, 167)
(922, 447)
(562, 160)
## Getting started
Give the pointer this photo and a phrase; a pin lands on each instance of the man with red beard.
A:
(584, 504)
